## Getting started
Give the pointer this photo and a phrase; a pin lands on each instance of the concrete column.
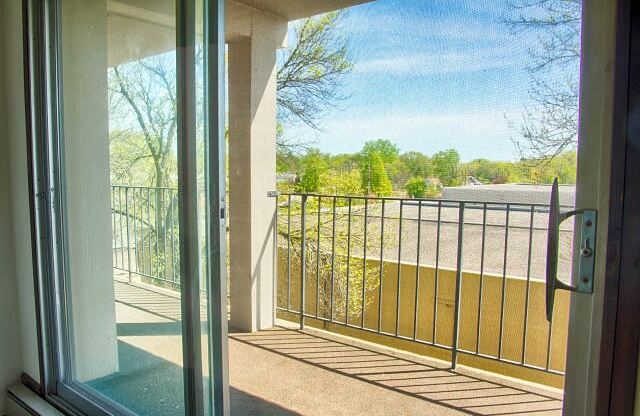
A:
(86, 142)
(252, 167)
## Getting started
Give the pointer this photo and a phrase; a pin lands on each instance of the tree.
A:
(387, 151)
(142, 99)
(374, 178)
(446, 166)
(409, 165)
(550, 128)
(313, 167)
(311, 73)
(143, 131)
(416, 187)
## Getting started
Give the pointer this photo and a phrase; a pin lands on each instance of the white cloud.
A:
(444, 62)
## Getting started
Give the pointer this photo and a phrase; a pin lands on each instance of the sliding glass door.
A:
(128, 155)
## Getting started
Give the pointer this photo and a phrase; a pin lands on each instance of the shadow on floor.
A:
(149, 385)
(456, 391)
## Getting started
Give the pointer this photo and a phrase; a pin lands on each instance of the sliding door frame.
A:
(43, 104)
(216, 222)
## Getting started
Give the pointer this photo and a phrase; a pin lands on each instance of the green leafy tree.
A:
(313, 167)
(387, 151)
(409, 165)
(342, 183)
(374, 178)
(416, 187)
(446, 166)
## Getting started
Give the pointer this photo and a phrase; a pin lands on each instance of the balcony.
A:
(430, 306)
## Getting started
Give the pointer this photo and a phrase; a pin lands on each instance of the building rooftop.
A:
(509, 193)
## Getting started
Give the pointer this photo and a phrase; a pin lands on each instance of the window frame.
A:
(45, 147)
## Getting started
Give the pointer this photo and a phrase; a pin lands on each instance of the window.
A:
(145, 71)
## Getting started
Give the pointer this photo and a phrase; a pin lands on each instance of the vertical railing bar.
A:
(526, 301)
(135, 228)
(172, 238)
(480, 287)
(289, 252)
(163, 194)
(114, 239)
(333, 258)
(150, 251)
(303, 257)
(178, 231)
(141, 230)
(346, 304)
(504, 281)
(399, 267)
(121, 228)
(458, 290)
(417, 285)
(364, 262)
(155, 222)
(276, 257)
(381, 266)
(318, 260)
(436, 276)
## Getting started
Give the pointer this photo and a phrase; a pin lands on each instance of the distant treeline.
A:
(381, 169)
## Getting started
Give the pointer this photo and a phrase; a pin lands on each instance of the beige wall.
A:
(18, 346)
(515, 298)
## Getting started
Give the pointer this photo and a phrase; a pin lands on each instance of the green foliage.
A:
(416, 187)
(446, 166)
(334, 269)
(487, 171)
(374, 178)
(313, 166)
(338, 183)
(541, 170)
(366, 173)
(387, 151)
(417, 164)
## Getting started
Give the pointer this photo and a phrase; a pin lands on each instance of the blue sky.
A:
(429, 76)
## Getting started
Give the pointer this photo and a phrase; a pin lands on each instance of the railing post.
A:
(126, 214)
(456, 311)
(303, 257)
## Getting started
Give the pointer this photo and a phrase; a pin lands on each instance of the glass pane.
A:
(202, 147)
(123, 254)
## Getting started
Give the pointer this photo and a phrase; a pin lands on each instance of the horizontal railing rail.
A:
(462, 276)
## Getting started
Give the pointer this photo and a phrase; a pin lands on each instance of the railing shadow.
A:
(462, 392)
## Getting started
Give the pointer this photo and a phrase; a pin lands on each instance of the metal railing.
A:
(461, 276)
(145, 232)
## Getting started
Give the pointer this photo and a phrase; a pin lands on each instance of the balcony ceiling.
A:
(151, 23)
(293, 10)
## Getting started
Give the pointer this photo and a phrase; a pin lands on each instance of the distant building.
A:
(286, 178)
(510, 192)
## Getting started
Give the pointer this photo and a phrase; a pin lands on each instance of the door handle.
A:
(586, 253)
